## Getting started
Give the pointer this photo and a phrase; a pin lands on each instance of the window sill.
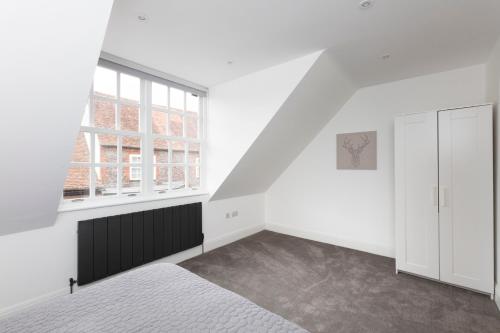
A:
(68, 206)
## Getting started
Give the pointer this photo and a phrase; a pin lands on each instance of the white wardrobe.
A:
(444, 196)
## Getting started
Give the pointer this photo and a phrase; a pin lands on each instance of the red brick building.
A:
(106, 151)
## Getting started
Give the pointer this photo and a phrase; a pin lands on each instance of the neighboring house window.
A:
(139, 135)
(134, 170)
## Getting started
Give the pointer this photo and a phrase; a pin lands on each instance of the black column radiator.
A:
(114, 244)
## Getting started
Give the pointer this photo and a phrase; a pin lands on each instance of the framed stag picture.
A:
(357, 151)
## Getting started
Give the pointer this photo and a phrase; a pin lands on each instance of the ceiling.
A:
(195, 40)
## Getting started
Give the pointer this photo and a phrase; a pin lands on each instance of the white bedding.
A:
(156, 298)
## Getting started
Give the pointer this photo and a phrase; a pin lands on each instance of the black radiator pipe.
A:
(71, 284)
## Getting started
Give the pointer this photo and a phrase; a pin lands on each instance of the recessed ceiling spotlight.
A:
(229, 62)
(366, 4)
(142, 17)
(386, 56)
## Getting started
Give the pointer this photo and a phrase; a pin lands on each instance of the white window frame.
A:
(148, 163)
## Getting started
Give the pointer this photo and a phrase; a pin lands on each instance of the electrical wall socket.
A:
(229, 215)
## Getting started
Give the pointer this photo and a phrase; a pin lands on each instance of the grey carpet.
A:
(326, 288)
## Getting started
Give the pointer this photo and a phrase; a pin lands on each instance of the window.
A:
(135, 171)
(140, 134)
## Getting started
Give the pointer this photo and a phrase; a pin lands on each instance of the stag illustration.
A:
(356, 152)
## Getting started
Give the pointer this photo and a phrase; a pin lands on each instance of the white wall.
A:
(49, 53)
(239, 110)
(220, 230)
(356, 208)
(315, 100)
(493, 95)
(37, 264)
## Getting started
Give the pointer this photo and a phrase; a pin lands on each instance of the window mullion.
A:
(119, 158)
(184, 128)
(168, 113)
(169, 145)
(201, 138)
(186, 167)
(91, 106)
(170, 169)
(118, 104)
(147, 151)
(109, 131)
(119, 170)
(92, 166)
(92, 179)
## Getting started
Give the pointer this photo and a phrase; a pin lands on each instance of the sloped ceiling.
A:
(194, 39)
(314, 101)
(240, 109)
(48, 58)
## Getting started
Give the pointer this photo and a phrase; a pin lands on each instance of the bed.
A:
(155, 298)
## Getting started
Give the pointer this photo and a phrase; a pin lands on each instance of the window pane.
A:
(194, 177)
(105, 114)
(130, 87)
(174, 124)
(177, 178)
(176, 99)
(135, 172)
(192, 127)
(129, 117)
(105, 82)
(178, 151)
(159, 94)
(77, 183)
(159, 122)
(161, 179)
(130, 145)
(106, 180)
(160, 150)
(194, 153)
(129, 184)
(192, 102)
(86, 116)
(106, 148)
(81, 153)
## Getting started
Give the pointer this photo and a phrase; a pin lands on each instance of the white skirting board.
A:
(26, 304)
(330, 239)
(214, 243)
(497, 295)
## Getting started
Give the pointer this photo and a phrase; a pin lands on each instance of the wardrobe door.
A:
(416, 169)
(466, 197)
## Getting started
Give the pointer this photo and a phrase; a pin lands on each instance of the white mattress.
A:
(156, 298)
